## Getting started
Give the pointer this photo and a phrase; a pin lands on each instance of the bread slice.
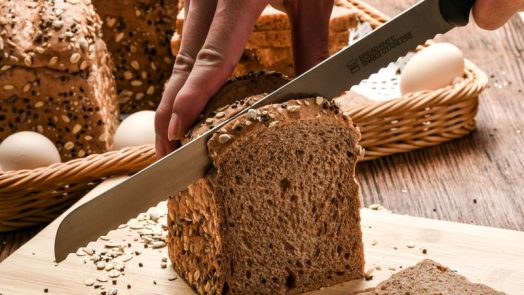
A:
(279, 211)
(55, 75)
(429, 277)
(138, 34)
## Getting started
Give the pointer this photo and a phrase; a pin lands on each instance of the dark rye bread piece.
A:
(138, 34)
(429, 277)
(55, 75)
(279, 211)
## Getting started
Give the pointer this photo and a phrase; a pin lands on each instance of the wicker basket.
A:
(32, 197)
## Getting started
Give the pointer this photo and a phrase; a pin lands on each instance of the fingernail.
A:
(172, 130)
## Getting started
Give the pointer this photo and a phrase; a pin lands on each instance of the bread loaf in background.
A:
(55, 75)
(138, 33)
(270, 46)
(279, 211)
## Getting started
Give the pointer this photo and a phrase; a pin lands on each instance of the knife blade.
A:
(331, 77)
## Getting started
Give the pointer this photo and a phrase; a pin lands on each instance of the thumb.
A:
(491, 14)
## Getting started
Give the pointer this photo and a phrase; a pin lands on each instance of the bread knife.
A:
(328, 79)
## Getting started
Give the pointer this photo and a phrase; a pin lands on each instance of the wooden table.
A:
(477, 179)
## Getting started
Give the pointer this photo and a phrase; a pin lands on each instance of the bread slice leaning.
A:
(279, 211)
(429, 277)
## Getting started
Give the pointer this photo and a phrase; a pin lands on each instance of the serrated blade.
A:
(184, 166)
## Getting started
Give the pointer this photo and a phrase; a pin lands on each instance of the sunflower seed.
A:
(223, 138)
(293, 109)
(75, 58)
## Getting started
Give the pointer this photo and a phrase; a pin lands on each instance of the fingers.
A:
(199, 15)
(232, 23)
(491, 14)
(310, 30)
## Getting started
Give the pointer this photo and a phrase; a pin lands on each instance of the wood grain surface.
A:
(392, 242)
(478, 179)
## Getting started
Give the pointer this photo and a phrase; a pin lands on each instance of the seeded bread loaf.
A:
(279, 211)
(429, 277)
(55, 75)
(138, 33)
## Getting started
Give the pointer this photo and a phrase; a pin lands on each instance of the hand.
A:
(214, 37)
(491, 14)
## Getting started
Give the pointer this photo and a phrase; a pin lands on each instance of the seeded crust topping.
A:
(268, 117)
(48, 34)
(55, 75)
(137, 34)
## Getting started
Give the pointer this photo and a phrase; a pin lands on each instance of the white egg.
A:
(135, 130)
(432, 68)
(27, 150)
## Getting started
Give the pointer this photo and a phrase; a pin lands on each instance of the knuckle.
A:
(184, 62)
(210, 57)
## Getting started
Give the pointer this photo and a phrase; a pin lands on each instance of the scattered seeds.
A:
(100, 265)
(101, 279)
(89, 282)
(220, 115)
(410, 245)
(319, 100)
(114, 274)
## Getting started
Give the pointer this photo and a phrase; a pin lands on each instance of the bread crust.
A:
(55, 75)
(213, 240)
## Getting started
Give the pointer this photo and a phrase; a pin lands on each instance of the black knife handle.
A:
(456, 12)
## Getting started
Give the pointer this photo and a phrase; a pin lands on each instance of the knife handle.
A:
(456, 12)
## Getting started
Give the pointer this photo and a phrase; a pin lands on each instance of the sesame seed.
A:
(136, 83)
(220, 114)
(319, 100)
(69, 145)
(9, 87)
(135, 65)
(65, 118)
(5, 68)
(27, 87)
(150, 90)
(89, 282)
(410, 245)
(119, 37)
(128, 75)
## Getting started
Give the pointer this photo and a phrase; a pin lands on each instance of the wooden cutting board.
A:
(487, 255)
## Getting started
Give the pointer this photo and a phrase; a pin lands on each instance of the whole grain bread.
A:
(429, 277)
(279, 211)
(55, 75)
(138, 33)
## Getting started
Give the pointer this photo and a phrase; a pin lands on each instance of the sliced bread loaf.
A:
(429, 277)
(279, 211)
